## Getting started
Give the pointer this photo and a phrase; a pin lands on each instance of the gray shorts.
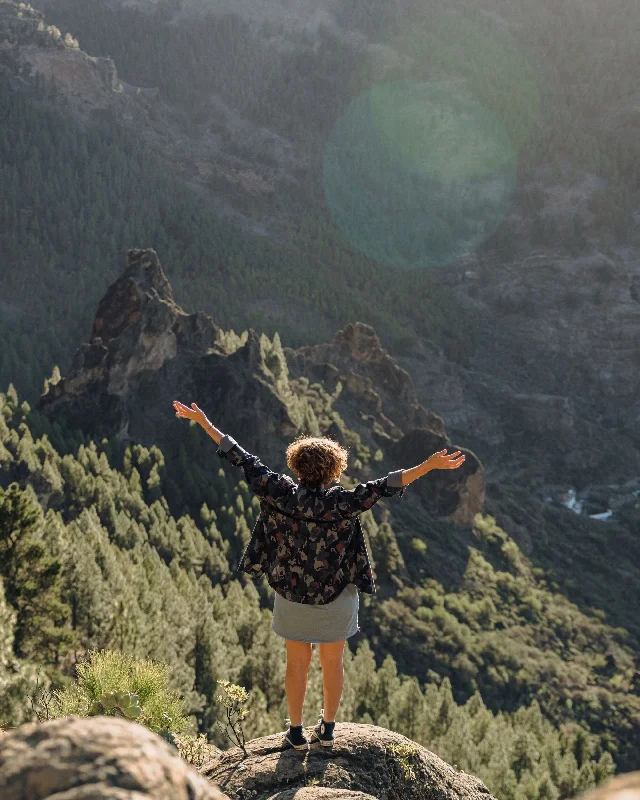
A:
(302, 622)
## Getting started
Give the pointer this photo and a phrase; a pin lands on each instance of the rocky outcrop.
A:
(365, 761)
(367, 370)
(145, 351)
(96, 758)
(28, 45)
(320, 793)
(386, 399)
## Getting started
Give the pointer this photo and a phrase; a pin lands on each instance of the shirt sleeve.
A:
(255, 559)
(351, 502)
(273, 487)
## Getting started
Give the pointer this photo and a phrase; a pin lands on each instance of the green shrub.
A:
(195, 749)
(233, 700)
(113, 683)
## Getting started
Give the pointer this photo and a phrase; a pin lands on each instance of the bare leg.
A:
(330, 654)
(295, 682)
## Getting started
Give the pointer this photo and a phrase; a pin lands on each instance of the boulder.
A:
(365, 761)
(616, 787)
(96, 758)
(458, 493)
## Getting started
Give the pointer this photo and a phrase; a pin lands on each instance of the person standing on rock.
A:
(309, 542)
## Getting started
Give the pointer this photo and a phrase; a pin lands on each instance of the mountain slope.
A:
(459, 597)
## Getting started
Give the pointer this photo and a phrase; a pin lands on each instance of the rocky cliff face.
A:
(29, 45)
(556, 376)
(145, 351)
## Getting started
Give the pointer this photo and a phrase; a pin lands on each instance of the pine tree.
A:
(32, 579)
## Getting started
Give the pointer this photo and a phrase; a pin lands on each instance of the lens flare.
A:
(420, 168)
(418, 173)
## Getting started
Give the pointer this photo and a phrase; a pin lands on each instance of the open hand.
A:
(441, 460)
(194, 413)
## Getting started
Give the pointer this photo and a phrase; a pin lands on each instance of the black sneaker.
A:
(296, 737)
(323, 732)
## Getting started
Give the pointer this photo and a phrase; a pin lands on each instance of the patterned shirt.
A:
(308, 540)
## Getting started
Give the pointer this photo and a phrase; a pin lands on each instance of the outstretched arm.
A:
(274, 488)
(351, 502)
(439, 460)
(198, 415)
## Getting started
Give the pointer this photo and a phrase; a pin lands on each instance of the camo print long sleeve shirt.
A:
(308, 541)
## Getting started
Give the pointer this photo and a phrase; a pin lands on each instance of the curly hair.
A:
(316, 461)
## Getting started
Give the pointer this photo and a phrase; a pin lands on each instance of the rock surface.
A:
(555, 378)
(107, 758)
(320, 793)
(365, 761)
(95, 758)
